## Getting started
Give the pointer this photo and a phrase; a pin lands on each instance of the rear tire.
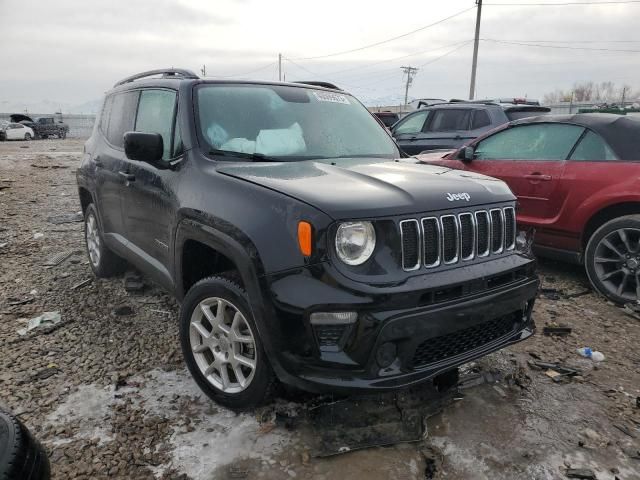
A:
(612, 259)
(222, 347)
(21, 455)
(102, 260)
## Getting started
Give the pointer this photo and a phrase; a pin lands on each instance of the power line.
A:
(389, 39)
(245, 73)
(565, 4)
(562, 47)
(570, 41)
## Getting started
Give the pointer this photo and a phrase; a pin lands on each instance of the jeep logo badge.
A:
(452, 197)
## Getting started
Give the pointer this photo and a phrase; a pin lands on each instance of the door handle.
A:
(128, 176)
(538, 177)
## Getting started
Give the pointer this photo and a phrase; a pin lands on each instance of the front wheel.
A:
(62, 135)
(222, 347)
(103, 261)
(27, 136)
(612, 259)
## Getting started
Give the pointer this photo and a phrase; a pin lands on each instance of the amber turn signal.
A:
(304, 238)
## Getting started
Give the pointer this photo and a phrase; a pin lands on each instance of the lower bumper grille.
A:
(453, 344)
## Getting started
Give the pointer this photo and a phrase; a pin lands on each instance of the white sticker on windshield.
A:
(331, 97)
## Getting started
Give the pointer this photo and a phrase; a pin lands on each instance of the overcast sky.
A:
(72, 51)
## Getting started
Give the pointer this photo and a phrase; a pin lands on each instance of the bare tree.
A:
(602, 92)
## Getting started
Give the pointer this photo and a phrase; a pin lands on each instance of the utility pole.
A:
(410, 72)
(203, 70)
(624, 91)
(474, 65)
(279, 67)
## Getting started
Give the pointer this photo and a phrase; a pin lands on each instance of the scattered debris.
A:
(57, 259)
(66, 218)
(580, 293)
(588, 353)
(475, 379)
(624, 429)
(133, 282)
(37, 236)
(4, 186)
(581, 473)
(47, 372)
(47, 319)
(123, 311)
(550, 293)
(16, 302)
(4, 244)
(82, 284)
(559, 330)
(632, 309)
(555, 371)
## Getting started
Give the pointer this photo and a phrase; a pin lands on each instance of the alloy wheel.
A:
(617, 263)
(223, 345)
(93, 240)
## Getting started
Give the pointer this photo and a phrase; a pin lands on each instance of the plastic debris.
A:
(556, 330)
(57, 259)
(582, 473)
(133, 282)
(45, 320)
(588, 353)
(82, 284)
(38, 235)
(66, 218)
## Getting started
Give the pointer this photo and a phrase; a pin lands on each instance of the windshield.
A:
(288, 123)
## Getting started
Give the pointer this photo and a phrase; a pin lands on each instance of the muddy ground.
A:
(107, 393)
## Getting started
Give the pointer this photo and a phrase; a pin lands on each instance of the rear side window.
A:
(155, 115)
(592, 147)
(545, 141)
(104, 115)
(450, 120)
(480, 119)
(121, 117)
(413, 124)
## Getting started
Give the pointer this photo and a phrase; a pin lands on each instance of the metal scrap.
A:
(582, 473)
(66, 218)
(559, 330)
(57, 258)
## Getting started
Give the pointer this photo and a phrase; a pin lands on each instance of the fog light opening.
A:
(333, 318)
(386, 354)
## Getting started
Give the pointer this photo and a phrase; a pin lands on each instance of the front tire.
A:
(102, 260)
(27, 136)
(222, 347)
(62, 135)
(612, 259)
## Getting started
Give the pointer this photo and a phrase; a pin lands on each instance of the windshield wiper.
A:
(256, 157)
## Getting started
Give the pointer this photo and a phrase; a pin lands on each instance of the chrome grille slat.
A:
(450, 239)
(430, 242)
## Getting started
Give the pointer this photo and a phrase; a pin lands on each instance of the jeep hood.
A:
(359, 188)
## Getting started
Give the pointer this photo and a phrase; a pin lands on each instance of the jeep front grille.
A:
(454, 238)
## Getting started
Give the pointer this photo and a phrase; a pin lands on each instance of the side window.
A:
(413, 124)
(480, 119)
(592, 147)
(155, 115)
(121, 117)
(104, 115)
(451, 119)
(178, 147)
(544, 141)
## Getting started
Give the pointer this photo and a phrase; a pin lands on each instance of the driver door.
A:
(531, 159)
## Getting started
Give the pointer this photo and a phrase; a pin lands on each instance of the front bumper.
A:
(432, 326)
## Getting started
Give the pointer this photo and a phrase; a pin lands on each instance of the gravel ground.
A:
(107, 393)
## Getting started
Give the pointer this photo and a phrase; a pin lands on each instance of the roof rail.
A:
(166, 73)
(320, 84)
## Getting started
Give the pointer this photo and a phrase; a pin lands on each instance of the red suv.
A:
(577, 179)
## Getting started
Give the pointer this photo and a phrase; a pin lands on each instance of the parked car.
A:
(42, 126)
(419, 103)
(451, 125)
(387, 118)
(577, 179)
(301, 245)
(17, 131)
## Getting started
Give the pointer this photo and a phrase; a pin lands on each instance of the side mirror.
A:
(468, 154)
(144, 147)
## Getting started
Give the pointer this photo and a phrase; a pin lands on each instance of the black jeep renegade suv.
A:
(301, 243)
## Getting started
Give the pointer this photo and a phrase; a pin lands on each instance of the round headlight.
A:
(355, 242)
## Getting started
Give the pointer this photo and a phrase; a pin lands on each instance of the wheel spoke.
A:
(606, 260)
(224, 376)
(213, 367)
(247, 362)
(206, 311)
(607, 276)
(623, 284)
(203, 332)
(200, 348)
(623, 236)
(235, 334)
(237, 370)
(612, 247)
